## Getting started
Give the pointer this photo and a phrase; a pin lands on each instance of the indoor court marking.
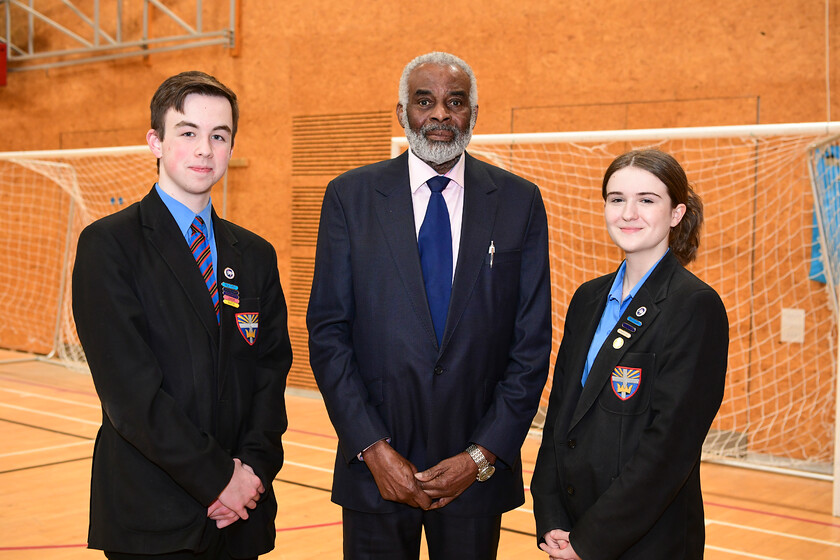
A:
(49, 417)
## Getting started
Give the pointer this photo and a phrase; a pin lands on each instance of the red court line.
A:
(55, 546)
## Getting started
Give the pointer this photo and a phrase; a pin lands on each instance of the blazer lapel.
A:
(396, 217)
(229, 258)
(163, 234)
(597, 304)
(480, 203)
(631, 326)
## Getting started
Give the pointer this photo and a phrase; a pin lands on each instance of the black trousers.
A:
(396, 536)
(216, 551)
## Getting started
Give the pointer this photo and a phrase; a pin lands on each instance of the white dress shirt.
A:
(418, 173)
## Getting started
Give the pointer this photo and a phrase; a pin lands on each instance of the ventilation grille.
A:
(323, 146)
(332, 144)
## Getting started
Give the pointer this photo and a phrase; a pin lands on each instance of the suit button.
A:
(571, 443)
(438, 370)
(570, 490)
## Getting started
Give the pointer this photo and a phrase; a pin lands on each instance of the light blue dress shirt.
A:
(184, 218)
(612, 312)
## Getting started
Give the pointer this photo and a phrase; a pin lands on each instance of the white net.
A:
(755, 251)
(47, 199)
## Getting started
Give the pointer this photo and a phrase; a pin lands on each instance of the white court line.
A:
(740, 553)
(774, 533)
(51, 448)
(27, 394)
(719, 549)
(53, 414)
(311, 467)
(307, 446)
(304, 466)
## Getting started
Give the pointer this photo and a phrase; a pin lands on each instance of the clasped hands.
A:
(399, 481)
(557, 545)
(241, 494)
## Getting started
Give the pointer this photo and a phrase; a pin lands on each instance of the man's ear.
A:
(401, 114)
(153, 141)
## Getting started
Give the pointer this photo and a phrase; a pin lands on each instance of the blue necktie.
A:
(435, 244)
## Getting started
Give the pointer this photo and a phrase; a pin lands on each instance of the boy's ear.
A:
(153, 141)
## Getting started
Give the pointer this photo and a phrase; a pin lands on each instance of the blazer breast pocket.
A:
(503, 259)
(500, 281)
(246, 324)
(630, 385)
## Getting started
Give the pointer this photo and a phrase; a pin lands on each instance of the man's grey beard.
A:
(437, 152)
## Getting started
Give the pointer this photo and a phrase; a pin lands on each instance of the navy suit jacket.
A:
(181, 396)
(619, 464)
(373, 348)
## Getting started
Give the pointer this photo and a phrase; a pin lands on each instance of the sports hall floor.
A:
(49, 416)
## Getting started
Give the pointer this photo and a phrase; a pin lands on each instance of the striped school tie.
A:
(201, 252)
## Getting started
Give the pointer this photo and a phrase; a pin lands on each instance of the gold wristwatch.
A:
(485, 469)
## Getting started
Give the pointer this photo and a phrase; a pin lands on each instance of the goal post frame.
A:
(398, 143)
(835, 301)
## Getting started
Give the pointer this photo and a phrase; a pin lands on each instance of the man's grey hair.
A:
(442, 59)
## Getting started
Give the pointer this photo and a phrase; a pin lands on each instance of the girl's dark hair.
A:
(685, 236)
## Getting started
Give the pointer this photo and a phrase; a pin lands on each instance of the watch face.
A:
(486, 473)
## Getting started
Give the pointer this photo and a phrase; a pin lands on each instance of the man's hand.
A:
(243, 490)
(557, 545)
(448, 479)
(221, 514)
(394, 476)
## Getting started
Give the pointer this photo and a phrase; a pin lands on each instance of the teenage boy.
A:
(183, 321)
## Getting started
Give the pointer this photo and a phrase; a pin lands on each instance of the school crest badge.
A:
(625, 381)
(248, 324)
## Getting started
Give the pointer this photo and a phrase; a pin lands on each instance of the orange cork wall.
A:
(317, 83)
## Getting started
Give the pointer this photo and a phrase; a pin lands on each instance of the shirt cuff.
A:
(362, 459)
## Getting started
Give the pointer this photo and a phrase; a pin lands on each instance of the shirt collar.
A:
(183, 215)
(617, 285)
(419, 172)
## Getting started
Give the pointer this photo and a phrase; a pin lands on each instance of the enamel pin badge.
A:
(628, 327)
(625, 381)
(248, 325)
(230, 294)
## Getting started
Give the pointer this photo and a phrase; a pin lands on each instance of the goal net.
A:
(47, 199)
(756, 251)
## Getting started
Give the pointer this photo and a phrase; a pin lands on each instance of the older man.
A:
(429, 330)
